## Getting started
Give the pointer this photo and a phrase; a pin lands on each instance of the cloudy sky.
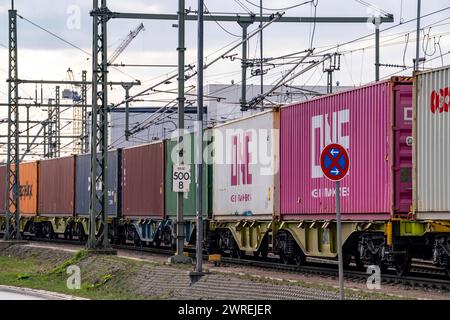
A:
(42, 55)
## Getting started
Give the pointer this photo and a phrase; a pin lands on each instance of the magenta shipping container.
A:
(374, 124)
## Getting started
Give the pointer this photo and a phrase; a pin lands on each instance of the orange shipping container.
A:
(28, 192)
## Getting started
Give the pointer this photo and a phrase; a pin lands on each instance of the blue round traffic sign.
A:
(334, 162)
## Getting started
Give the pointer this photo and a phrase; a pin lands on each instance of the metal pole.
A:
(179, 257)
(98, 239)
(127, 115)
(329, 81)
(339, 240)
(261, 53)
(12, 162)
(181, 51)
(377, 48)
(84, 117)
(199, 142)
(58, 123)
(28, 126)
(50, 132)
(243, 101)
(127, 88)
(416, 64)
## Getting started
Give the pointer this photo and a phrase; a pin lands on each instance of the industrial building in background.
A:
(147, 124)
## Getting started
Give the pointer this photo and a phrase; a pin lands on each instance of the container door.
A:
(403, 149)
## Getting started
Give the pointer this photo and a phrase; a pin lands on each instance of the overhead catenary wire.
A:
(279, 9)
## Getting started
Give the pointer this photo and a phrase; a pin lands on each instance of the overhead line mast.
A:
(12, 162)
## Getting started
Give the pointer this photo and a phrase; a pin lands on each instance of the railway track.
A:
(422, 275)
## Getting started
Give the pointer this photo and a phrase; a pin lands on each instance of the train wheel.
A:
(299, 259)
(358, 261)
(136, 240)
(347, 260)
(402, 265)
(236, 253)
(284, 258)
(80, 233)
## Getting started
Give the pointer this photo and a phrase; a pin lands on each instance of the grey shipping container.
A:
(432, 144)
(113, 180)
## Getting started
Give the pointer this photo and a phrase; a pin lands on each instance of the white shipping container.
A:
(245, 167)
(432, 144)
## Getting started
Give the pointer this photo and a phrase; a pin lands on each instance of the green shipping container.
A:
(190, 199)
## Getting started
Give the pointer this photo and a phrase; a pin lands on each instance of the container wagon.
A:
(143, 214)
(189, 198)
(431, 165)
(80, 225)
(245, 183)
(374, 124)
(28, 195)
(56, 205)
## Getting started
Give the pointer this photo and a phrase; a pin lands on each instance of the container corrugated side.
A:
(3, 189)
(432, 144)
(83, 178)
(245, 168)
(28, 192)
(143, 181)
(361, 120)
(57, 187)
(189, 198)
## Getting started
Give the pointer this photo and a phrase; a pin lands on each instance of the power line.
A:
(53, 34)
(279, 9)
(220, 25)
(373, 33)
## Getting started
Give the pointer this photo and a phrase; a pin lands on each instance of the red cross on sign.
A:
(334, 162)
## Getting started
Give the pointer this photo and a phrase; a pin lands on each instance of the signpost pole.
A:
(339, 240)
(335, 163)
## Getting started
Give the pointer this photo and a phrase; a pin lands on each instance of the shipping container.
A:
(143, 181)
(432, 144)
(190, 198)
(3, 189)
(245, 168)
(113, 181)
(57, 187)
(28, 191)
(374, 124)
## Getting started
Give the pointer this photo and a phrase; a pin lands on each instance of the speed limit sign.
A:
(181, 177)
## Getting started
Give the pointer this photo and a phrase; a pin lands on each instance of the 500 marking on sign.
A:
(181, 177)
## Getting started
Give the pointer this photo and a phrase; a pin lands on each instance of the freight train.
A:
(264, 191)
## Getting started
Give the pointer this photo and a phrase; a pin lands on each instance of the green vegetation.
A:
(25, 273)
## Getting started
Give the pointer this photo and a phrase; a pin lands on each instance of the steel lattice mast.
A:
(12, 175)
(98, 224)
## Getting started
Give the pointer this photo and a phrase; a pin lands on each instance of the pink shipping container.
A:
(374, 124)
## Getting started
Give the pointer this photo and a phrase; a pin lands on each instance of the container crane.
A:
(133, 34)
(73, 94)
